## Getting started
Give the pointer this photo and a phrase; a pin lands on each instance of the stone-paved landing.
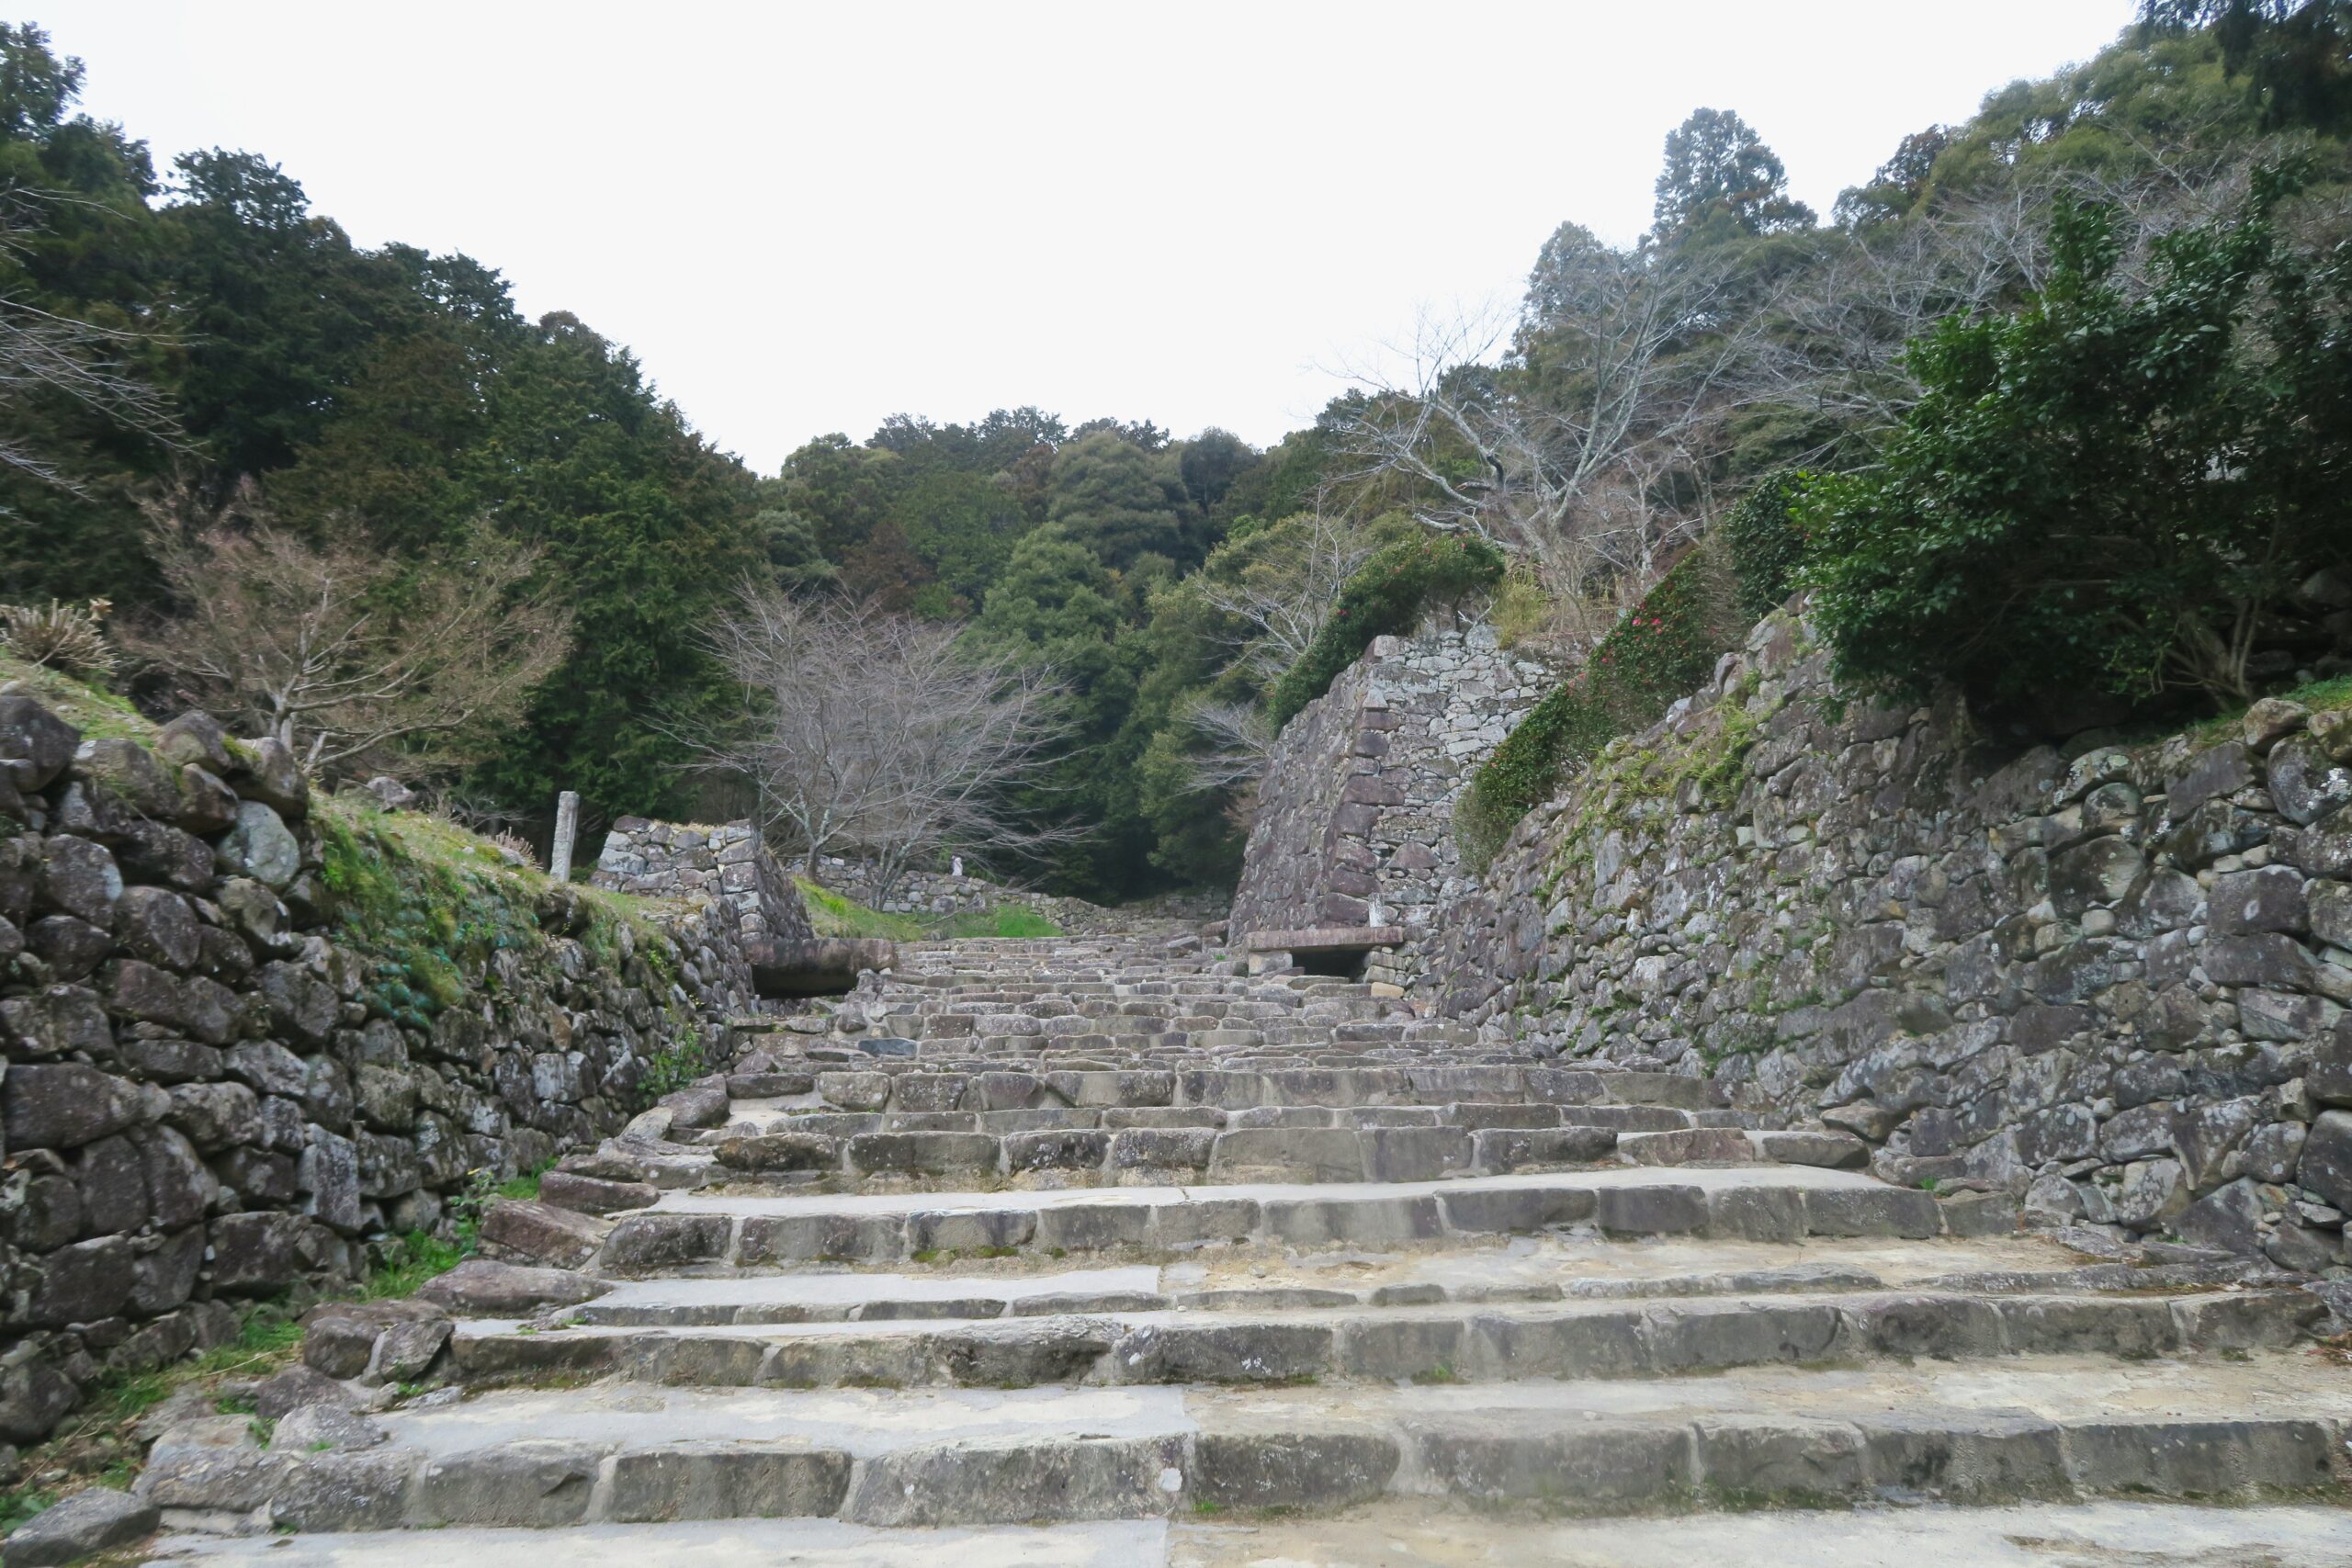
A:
(2096, 1535)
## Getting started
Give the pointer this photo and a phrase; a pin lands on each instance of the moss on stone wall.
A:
(1661, 651)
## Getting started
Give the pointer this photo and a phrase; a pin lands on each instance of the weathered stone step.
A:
(888, 1084)
(713, 1232)
(1394, 1534)
(943, 1149)
(1445, 1344)
(1966, 1433)
(1578, 1264)
(801, 1113)
(726, 1543)
(2034, 1535)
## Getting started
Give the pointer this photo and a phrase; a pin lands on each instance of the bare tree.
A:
(1838, 347)
(1284, 586)
(877, 733)
(346, 656)
(1241, 742)
(58, 358)
(1585, 450)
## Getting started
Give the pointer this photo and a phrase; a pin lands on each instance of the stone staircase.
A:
(1101, 1252)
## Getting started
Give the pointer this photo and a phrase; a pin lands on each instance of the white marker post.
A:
(567, 826)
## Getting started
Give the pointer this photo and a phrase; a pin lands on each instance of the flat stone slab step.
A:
(831, 1149)
(729, 1543)
(714, 1232)
(1968, 1432)
(1470, 1271)
(1416, 1534)
(1010, 1086)
(1444, 1342)
(2042, 1535)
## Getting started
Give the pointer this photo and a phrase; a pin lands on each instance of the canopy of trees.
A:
(202, 333)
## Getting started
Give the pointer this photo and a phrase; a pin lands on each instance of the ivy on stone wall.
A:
(1765, 534)
(1387, 597)
(1663, 649)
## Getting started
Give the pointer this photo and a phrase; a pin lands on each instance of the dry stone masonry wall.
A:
(685, 859)
(214, 1093)
(1357, 806)
(2111, 979)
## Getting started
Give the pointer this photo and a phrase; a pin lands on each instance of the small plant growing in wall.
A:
(679, 1060)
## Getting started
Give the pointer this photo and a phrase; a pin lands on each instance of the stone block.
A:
(1203, 1220)
(1651, 1210)
(2326, 1163)
(727, 1481)
(1385, 1221)
(1686, 1146)
(1154, 1148)
(1316, 1154)
(970, 1230)
(1753, 1458)
(91, 1521)
(1965, 1457)
(1072, 1149)
(928, 1154)
(1596, 1467)
(1415, 1154)
(1702, 1336)
(648, 1243)
(1871, 1212)
(1322, 1470)
(540, 1483)
(801, 1239)
(1223, 1353)
(544, 1234)
(63, 1105)
(2199, 1459)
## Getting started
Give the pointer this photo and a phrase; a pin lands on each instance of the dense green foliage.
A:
(2185, 404)
(1388, 596)
(1661, 651)
(1764, 535)
(2106, 488)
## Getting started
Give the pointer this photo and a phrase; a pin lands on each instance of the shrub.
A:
(1386, 597)
(2111, 488)
(1661, 651)
(64, 636)
(1765, 534)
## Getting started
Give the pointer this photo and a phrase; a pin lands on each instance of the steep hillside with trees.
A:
(200, 364)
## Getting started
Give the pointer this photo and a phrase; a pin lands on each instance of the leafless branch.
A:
(877, 733)
(345, 655)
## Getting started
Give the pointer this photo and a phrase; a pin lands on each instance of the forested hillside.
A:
(199, 364)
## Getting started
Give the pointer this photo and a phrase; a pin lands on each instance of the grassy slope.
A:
(834, 914)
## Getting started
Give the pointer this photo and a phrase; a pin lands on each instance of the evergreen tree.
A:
(1721, 181)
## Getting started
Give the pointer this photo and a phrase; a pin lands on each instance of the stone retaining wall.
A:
(215, 1092)
(2110, 978)
(687, 860)
(1357, 805)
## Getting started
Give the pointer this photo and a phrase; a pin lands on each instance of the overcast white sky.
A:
(804, 218)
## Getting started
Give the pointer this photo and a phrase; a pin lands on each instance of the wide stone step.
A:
(714, 1232)
(918, 1150)
(1228, 1344)
(889, 1080)
(724, 1543)
(2034, 1535)
(1578, 1264)
(1970, 1433)
(1394, 1534)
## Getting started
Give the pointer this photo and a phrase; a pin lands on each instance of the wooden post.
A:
(567, 826)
